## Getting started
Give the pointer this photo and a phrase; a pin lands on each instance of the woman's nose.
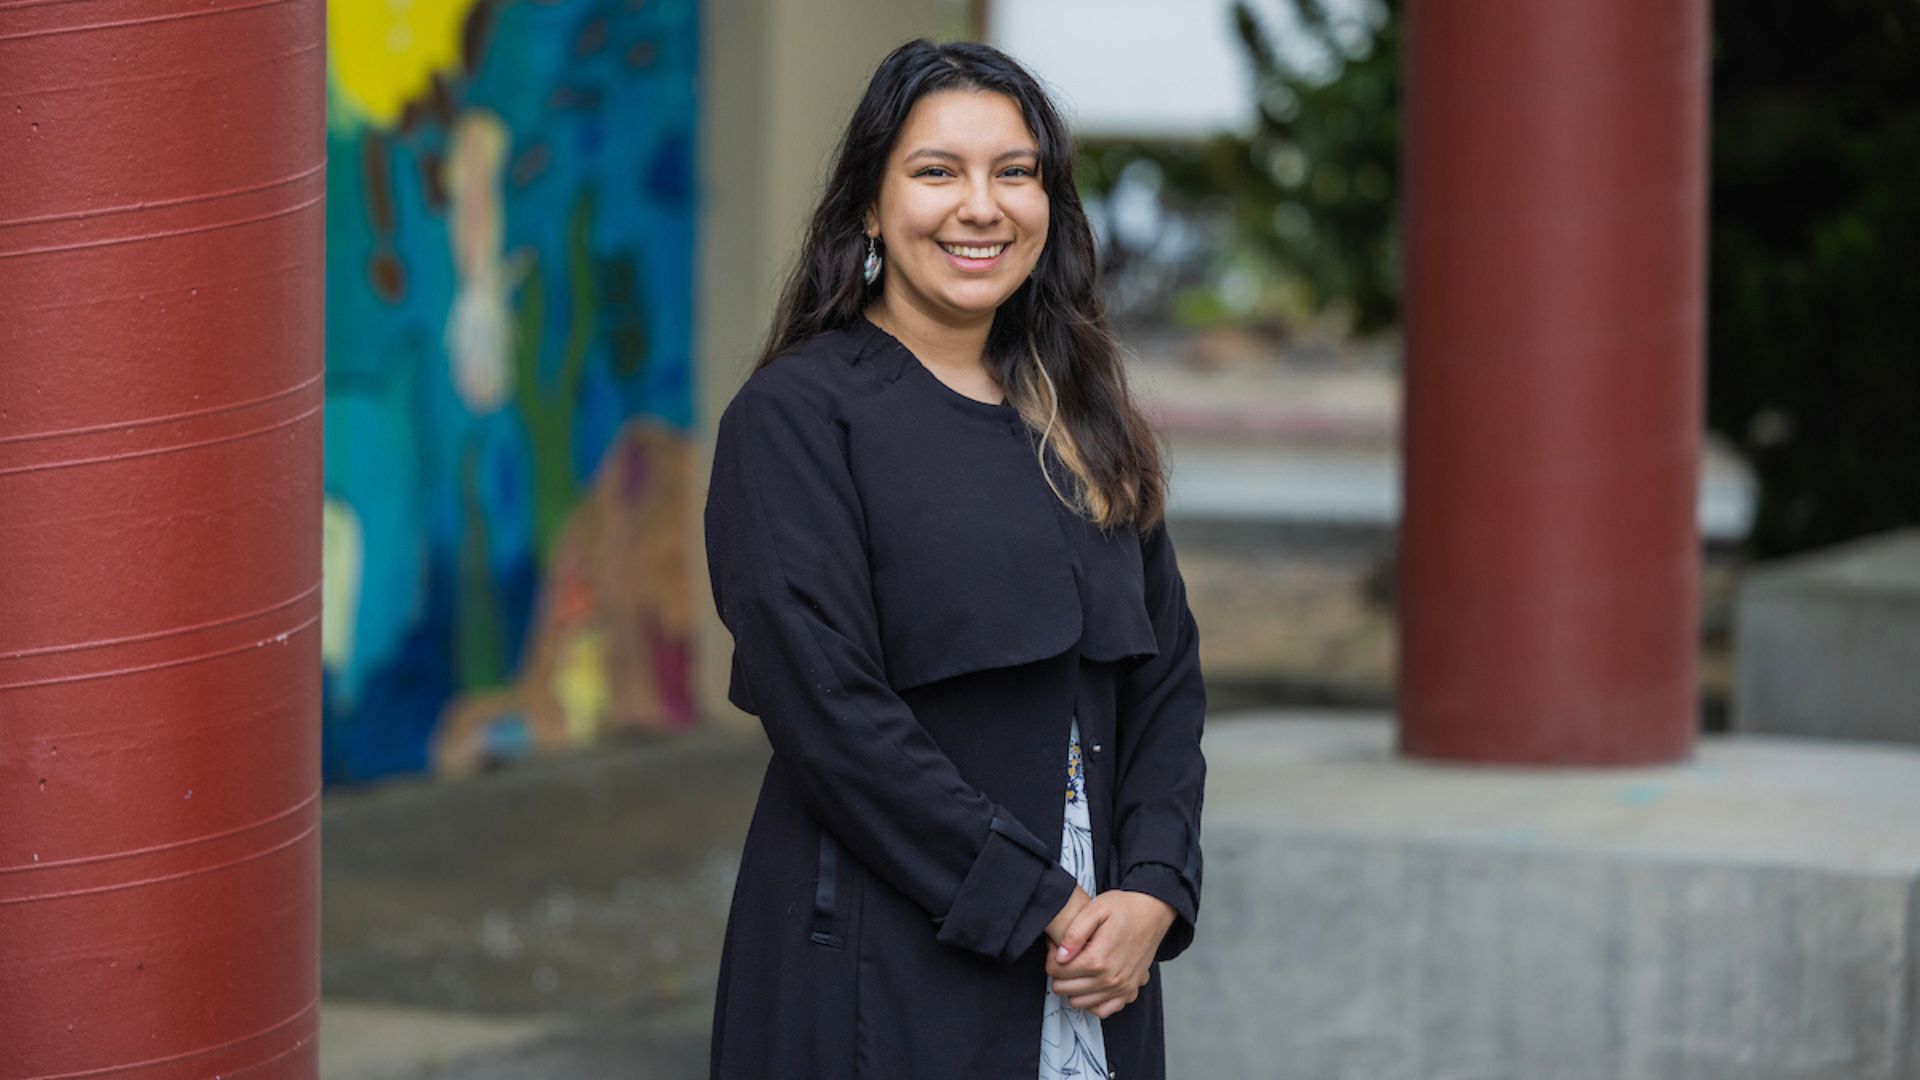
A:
(980, 207)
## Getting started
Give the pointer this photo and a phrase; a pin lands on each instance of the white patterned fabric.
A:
(1071, 1045)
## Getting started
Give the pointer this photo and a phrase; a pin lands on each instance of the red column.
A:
(161, 241)
(1555, 187)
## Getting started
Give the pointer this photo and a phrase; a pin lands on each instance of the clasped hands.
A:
(1102, 947)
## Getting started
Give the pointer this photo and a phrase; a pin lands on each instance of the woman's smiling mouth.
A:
(973, 256)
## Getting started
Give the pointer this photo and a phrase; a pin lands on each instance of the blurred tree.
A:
(1324, 157)
(1285, 222)
(1814, 299)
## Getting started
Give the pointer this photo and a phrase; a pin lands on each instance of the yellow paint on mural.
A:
(341, 556)
(383, 53)
(580, 683)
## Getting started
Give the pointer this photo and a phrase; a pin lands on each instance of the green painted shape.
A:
(547, 411)
(480, 626)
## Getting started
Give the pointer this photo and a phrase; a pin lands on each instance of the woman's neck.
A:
(957, 350)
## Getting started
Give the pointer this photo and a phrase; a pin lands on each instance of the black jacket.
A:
(917, 619)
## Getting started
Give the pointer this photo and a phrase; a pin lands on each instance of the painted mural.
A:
(509, 318)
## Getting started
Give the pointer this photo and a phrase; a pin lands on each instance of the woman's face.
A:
(961, 210)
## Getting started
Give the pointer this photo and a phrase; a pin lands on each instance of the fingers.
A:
(1057, 928)
(1096, 984)
(1084, 985)
(1089, 989)
(1104, 1005)
(1080, 930)
(1095, 967)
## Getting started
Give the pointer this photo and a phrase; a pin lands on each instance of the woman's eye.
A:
(1017, 171)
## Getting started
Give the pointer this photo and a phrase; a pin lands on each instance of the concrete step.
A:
(1749, 914)
(1258, 483)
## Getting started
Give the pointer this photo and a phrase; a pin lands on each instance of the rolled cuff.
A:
(1013, 890)
(1161, 856)
(1164, 883)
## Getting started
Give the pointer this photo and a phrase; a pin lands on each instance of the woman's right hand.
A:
(1058, 927)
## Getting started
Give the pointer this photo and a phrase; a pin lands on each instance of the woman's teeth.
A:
(987, 252)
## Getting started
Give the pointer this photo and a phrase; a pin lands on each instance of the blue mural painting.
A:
(509, 321)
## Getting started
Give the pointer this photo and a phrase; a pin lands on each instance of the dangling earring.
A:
(871, 270)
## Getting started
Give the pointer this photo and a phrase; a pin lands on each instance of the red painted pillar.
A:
(161, 242)
(1554, 216)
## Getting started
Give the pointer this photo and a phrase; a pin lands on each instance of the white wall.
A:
(1172, 68)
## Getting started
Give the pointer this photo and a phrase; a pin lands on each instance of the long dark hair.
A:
(1049, 347)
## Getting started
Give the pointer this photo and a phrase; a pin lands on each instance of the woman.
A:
(935, 532)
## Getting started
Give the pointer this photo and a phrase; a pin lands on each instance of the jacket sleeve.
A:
(788, 562)
(1162, 781)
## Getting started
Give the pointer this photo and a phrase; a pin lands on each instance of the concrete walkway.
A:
(561, 918)
(1751, 913)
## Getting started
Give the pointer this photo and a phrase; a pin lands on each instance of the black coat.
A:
(916, 620)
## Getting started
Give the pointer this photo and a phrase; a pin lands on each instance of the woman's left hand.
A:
(1103, 959)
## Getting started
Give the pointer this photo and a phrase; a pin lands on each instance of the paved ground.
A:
(558, 919)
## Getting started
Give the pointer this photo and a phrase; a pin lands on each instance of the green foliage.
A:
(1323, 187)
(1299, 214)
(1813, 295)
(1814, 354)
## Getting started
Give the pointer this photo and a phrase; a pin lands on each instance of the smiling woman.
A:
(962, 217)
(934, 529)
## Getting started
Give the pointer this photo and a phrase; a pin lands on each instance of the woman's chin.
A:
(976, 302)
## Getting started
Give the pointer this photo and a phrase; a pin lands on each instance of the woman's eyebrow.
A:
(936, 152)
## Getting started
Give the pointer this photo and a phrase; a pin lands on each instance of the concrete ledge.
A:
(1360, 486)
(1827, 642)
(1748, 914)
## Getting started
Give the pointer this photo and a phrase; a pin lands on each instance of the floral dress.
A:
(1071, 1045)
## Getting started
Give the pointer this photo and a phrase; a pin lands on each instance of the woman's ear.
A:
(871, 223)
